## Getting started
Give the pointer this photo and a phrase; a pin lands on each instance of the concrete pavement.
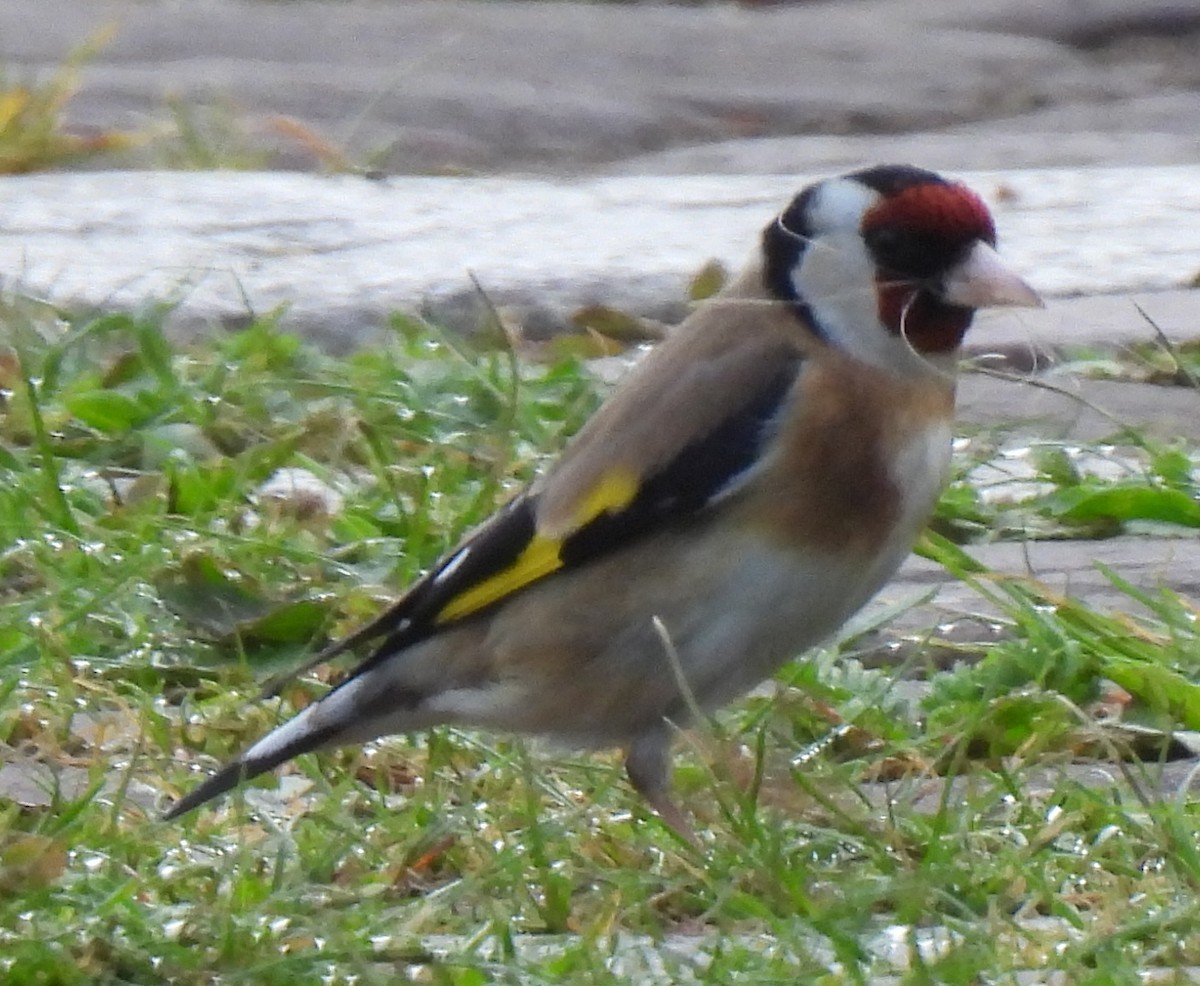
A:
(458, 84)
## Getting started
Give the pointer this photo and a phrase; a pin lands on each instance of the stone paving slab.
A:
(459, 84)
(1034, 140)
(1078, 409)
(1069, 567)
(343, 252)
(940, 613)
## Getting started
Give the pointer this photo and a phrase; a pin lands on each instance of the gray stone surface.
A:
(1076, 409)
(460, 84)
(937, 615)
(1068, 567)
(1033, 140)
(342, 252)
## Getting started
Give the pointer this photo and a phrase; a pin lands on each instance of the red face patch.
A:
(952, 211)
(915, 235)
(928, 326)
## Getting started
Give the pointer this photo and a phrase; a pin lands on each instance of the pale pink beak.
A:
(984, 281)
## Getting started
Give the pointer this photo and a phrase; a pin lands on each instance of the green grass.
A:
(150, 586)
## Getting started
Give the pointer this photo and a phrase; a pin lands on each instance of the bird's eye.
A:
(905, 252)
(884, 240)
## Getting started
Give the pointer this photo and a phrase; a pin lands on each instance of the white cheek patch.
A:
(836, 279)
(835, 269)
(839, 205)
(836, 276)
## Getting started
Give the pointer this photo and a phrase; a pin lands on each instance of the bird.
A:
(749, 485)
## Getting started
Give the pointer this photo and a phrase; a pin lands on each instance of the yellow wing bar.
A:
(542, 555)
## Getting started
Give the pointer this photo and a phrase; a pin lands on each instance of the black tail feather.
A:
(243, 769)
(228, 777)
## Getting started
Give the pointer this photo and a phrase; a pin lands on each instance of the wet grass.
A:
(177, 525)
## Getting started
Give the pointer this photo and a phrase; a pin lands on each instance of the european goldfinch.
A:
(750, 485)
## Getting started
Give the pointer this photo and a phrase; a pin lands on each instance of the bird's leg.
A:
(647, 763)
